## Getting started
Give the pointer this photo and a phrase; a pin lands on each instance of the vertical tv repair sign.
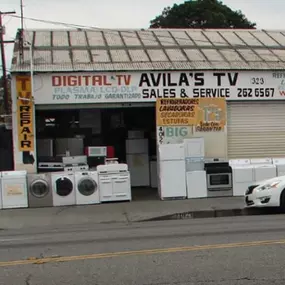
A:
(25, 113)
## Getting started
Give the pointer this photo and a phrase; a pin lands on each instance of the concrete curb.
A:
(214, 213)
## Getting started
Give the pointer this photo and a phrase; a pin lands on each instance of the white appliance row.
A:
(21, 190)
(182, 175)
(250, 171)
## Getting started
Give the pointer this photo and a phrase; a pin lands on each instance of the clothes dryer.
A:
(63, 186)
(14, 189)
(87, 189)
(280, 165)
(263, 168)
(243, 175)
(39, 190)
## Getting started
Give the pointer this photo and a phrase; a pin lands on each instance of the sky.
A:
(114, 14)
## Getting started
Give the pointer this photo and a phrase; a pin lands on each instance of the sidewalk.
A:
(120, 212)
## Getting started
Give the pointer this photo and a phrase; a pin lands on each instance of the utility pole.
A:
(3, 59)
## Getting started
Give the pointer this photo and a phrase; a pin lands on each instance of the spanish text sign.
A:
(176, 112)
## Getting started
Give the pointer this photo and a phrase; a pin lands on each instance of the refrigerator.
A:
(44, 147)
(75, 146)
(172, 171)
(196, 183)
(137, 155)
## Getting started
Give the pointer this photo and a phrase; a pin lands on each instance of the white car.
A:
(266, 193)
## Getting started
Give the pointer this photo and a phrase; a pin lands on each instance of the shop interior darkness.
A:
(65, 124)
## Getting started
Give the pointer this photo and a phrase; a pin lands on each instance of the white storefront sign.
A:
(147, 86)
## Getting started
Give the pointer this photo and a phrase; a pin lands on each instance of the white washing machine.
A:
(196, 184)
(263, 168)
(114, 182)
(87, 188)
(280, 165)
(243, 175)
(14, 189)
(39, 190)
(63, 186)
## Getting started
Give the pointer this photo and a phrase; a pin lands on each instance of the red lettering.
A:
(73, 81)
(127, 79)
(56, 80)
(97, 80)
(105, 81)
(87, 80)
(119, 79)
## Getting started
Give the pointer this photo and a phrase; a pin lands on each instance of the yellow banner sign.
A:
(206, 114)
(25, 113)
(176, 112)
(211, 115)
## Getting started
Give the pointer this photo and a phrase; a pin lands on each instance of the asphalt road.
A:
(226, 251)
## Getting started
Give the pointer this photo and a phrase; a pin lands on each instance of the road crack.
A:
(127, 218)
(28, 279)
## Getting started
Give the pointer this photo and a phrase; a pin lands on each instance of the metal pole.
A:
(4, 72)
(32, 69)
(3, 59)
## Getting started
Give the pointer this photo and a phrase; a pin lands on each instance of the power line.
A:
(163, 39)
(61, 23)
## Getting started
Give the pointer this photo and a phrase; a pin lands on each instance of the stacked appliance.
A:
(96, 155)
(114, 182)
(196, 182)
(75, 163)
(86, 187)
(39, 190)
(49, 164)
(263, 168)
(45, 148)
(73, 146)
(219, 178)
(63, 185)
(14, 189)
(172, 182)
(243, 175)
(280, 165)
(137, 151)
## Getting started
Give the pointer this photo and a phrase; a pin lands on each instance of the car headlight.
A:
(268, 186)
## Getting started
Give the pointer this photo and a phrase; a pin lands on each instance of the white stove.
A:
(75, 163)
(76, 167)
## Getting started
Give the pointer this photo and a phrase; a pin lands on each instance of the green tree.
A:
(202, 14)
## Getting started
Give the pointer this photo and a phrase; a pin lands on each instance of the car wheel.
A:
(282, 201)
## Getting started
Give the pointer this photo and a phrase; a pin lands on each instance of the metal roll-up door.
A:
(256, 129)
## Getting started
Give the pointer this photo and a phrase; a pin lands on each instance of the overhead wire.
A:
(163, 39)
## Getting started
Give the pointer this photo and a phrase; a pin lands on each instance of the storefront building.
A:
(102, 84)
